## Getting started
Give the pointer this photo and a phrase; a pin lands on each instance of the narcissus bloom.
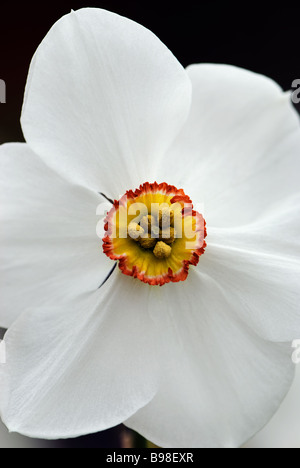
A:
(204, 360)
(283, 431)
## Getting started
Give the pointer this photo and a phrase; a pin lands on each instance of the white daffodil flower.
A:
(283, 431)
(206, 359)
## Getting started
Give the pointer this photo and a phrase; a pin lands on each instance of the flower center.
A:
(155, 234)
(155, 231)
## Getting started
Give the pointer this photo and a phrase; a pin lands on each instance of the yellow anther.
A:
(155, 232)
(146, 223)
(166, 217)
(147, 242)
(167, 235)
(162, 250)
(135, 231)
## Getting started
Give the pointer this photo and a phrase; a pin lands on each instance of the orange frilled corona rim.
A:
(155, 234)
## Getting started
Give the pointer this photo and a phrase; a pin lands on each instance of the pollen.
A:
(147, 242)
(154, 234)
(162, 250)
(166, 217)
(146, 223)
(167, 235)
(135, 231)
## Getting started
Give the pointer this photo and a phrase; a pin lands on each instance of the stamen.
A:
(168, 235)
(166, 217)
(147, 222)
(155, 231)
(162, 250)
(147, 242)
(135, 231)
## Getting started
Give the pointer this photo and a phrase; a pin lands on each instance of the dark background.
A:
(261, 37)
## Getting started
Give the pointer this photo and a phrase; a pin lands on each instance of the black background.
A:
(261, 37)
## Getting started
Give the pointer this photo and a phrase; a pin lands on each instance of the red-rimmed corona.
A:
(155, 234)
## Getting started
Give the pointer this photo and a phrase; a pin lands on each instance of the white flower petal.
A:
(283, 431)
(17, 441)
(80, 370)
(239, 151)
(221, 381)
(49, 250)
(104, 100)
(258, 268)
